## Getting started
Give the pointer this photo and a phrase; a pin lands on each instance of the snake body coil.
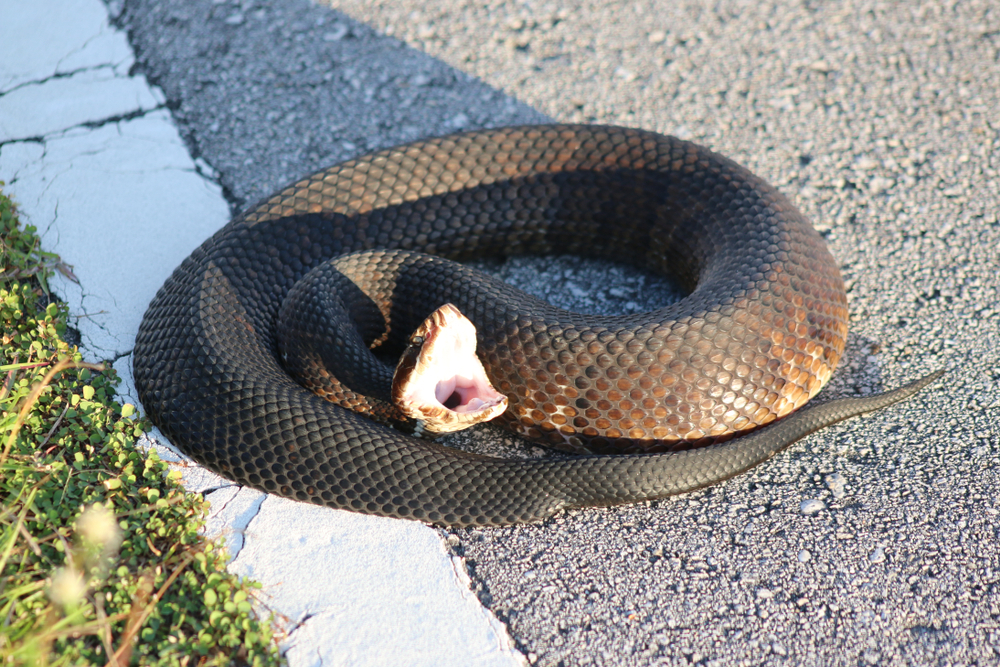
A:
(760, 333)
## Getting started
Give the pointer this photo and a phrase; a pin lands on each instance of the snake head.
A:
(439, 379)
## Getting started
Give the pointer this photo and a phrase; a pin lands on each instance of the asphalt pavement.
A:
(873, 542)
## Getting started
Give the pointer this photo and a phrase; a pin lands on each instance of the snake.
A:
(651, 404)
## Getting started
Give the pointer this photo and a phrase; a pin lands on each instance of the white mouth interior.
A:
(450, 375)
(447, 387)
(463, 394)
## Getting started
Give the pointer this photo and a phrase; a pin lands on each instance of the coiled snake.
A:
(761, 331)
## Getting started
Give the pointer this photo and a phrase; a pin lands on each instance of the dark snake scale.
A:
(761, 331)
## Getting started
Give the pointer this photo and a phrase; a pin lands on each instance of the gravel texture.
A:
(873, 542)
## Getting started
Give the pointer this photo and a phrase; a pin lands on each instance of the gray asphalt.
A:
(880, 120)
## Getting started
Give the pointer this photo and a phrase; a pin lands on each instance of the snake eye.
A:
(417, 340)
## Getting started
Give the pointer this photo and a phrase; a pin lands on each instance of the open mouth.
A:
(440, 380)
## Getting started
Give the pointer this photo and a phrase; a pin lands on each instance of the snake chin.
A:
(440, 381)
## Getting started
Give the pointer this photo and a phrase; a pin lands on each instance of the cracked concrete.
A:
(42, 108)
(76, 37)
(348, 598)
(64, 79)
(69, 183)
(233, 508)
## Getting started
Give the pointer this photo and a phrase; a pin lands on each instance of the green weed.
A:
(101, 561)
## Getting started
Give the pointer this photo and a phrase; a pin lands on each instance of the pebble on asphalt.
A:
(812, 506)
(836, 483)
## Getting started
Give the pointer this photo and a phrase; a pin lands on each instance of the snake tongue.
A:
(439, 379)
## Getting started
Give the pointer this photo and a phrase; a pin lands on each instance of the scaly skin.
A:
(761, 332)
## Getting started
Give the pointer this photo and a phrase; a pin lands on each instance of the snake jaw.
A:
(439, 379)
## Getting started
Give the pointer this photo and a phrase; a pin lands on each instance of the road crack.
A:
(54, 76)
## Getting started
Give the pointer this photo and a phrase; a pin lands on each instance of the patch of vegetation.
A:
(100, 557)
(21, 257)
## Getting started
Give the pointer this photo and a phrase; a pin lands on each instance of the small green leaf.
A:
(89, 458)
